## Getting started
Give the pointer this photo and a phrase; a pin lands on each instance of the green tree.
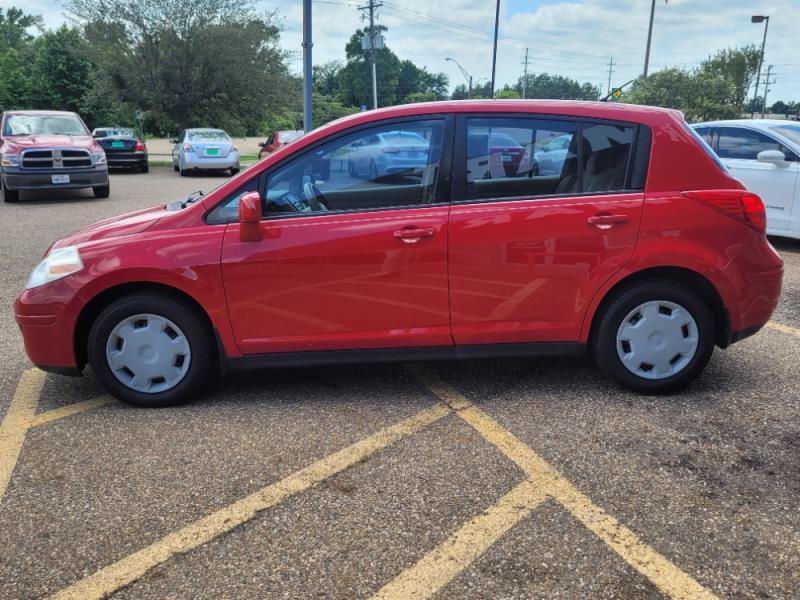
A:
(737, 67)
(15, 82)
(508, 93)
(189, 62)
(356, 75)
(545, 85)
(61, 70)
(326, 77)
(14, 25)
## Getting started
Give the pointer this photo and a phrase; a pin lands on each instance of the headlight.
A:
(10, 160)
(59, 263)
(99, 158)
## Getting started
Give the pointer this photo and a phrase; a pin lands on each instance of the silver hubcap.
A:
(148, 353)
(657, 339)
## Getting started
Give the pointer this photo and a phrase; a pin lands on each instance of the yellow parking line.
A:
(784, 328)
(15, 423)
(440, 566)
(658, 569)
(68, 411)
(127, 570)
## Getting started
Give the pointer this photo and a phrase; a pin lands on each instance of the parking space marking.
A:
(127, 570)
(665, 575)
(784, 328)
(441, 565)
(69, 410)
(16, 422)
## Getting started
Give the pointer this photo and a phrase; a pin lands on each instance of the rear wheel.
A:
(150, 350)
(102, 191)
(373, 170)
(655, 337)
(144, 168)
(183, 172)
(234, 171)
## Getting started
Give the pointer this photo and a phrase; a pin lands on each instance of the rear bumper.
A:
(41, 179)
(194, 162)
(126, 159)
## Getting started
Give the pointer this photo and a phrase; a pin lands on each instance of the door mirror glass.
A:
(771, 156)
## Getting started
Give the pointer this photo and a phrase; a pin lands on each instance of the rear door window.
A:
(529, 157)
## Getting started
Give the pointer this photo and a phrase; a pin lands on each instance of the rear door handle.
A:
(414, 234)
(605, 221)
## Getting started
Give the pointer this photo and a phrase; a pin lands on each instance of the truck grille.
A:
(55, 158)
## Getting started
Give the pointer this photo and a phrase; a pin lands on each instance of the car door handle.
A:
(413, 234)
(604, 221)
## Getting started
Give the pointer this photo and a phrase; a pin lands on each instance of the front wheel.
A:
(655, 337)
(102, 191)
(150, 350)
(8, 195)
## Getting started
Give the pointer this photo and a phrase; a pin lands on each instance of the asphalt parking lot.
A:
(509, 479)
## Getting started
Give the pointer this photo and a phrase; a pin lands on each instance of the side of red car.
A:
(643, 250)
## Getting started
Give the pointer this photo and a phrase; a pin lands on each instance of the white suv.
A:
(763, 154)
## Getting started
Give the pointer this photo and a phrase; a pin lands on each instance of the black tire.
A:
(185, 317)
(145, 168)
(8, 195)
(176, 168)
(351, 169)
(604, 335)
(102, 191)
(183, 172)
(234, 171)
(373, 170)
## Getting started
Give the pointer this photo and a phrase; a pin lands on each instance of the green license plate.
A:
(117, 144)
(212, 151)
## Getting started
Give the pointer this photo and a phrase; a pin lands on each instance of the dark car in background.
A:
(123, 147)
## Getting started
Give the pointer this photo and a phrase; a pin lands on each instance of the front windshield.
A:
(208, 136)
(44, 125)
(790, 132)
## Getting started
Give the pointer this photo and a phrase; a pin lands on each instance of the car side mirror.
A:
(174, 141)
(772, 156)
(261, 144)
(250, 217)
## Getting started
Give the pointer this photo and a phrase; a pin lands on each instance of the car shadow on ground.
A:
(785, 244)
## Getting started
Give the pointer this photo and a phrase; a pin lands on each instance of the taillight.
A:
(139, 146)
(188, 148)
(739, 204)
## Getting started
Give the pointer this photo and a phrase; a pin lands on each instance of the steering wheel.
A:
(314, 197)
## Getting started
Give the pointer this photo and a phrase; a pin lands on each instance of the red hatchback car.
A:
(643, 250)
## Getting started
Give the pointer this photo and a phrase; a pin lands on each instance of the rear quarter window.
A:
(706, 148)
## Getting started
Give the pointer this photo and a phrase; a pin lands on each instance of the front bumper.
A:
(47, 327)
(191, 161)
(15, 178)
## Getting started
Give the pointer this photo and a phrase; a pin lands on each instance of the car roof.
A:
(752, 123)
(42, 113)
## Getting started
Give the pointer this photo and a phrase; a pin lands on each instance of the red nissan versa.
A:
(642, 249)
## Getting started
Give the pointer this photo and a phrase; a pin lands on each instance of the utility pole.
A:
(371, 8)
(610, 71)
(759, 19)
(494, 51)
(649, 38)
(307, 72)
(525, 73)
(767, 83)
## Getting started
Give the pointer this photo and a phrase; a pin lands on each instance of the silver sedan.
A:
(204, 150)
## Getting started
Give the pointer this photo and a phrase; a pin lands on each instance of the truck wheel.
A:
(654, 337)
(102, 191)
(150, 350)
(9, 195)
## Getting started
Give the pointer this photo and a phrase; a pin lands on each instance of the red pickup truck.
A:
(44, 149)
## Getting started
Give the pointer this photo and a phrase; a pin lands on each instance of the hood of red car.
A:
(127, 224)
(22, 142)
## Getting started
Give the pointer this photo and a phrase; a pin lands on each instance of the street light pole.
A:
(649, 38)
(765, 20)
(466, 75)
(307, 73)
(494, 52)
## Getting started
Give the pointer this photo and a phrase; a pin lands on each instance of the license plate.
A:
(505, 157)
(60, 178)
(117, 144)
(212, 152)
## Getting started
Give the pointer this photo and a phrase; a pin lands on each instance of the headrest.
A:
(609, 158)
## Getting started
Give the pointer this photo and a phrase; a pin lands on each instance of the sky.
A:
(575, 38)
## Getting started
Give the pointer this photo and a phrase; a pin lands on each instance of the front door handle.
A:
(414, 234)
(604, 221)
